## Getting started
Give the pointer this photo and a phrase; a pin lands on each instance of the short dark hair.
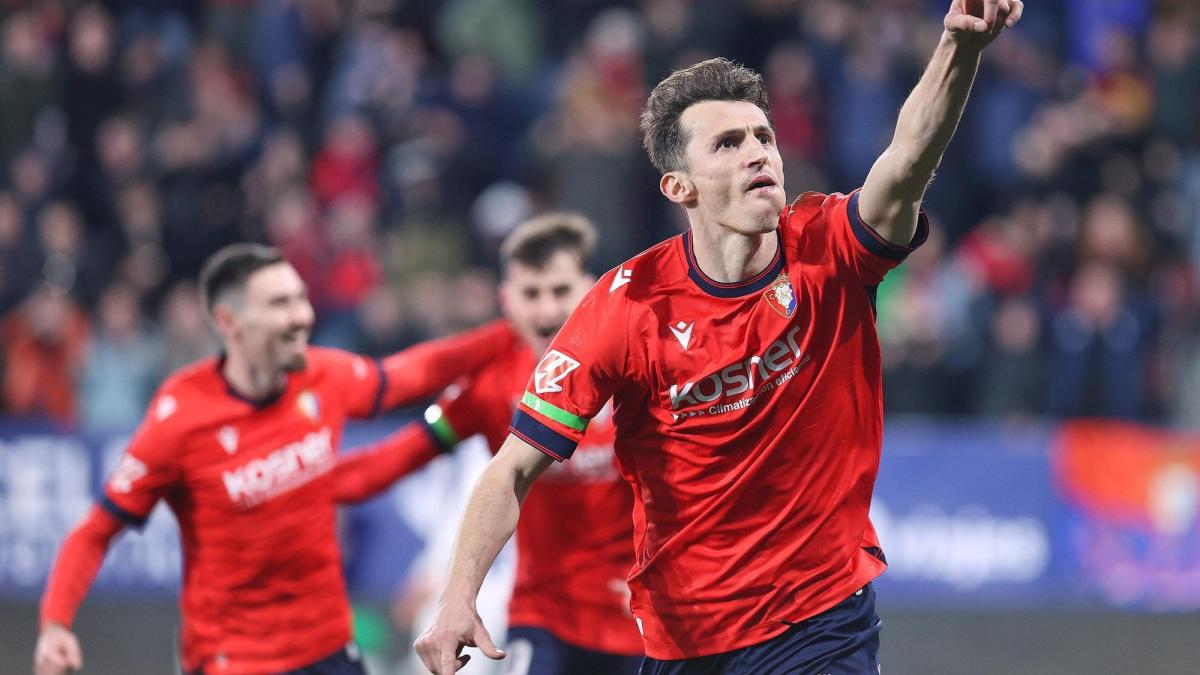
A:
(716, 79)
(229, 268)
(535, 241)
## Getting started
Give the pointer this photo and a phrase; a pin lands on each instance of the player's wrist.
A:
(456, 602)
(962, 51)
(52, 625)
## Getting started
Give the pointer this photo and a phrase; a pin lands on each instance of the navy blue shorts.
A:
(343, 662)
(535, 651)
(843, 640)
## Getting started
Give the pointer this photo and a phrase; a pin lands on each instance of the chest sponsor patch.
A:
(282, 470)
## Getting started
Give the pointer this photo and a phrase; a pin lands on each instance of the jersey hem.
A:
(721, 644)
(272, 665)
(571, 639)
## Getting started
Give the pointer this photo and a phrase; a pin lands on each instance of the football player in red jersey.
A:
(242, 447)
(744, 369)
(569, 611)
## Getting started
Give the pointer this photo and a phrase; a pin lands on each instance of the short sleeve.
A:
(460, 412)
(584, 366)
(360, 381)
(149, 467)
(832, 232)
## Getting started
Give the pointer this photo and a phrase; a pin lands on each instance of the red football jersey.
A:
(263, 588)
(748, 419)
(575, 534)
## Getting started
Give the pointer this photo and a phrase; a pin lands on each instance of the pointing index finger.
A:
(990, 9)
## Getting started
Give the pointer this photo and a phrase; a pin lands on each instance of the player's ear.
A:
(503, 293)
(676, 186)
(223, 319)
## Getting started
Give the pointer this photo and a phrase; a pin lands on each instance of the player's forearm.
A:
(421, 371)
(365, 473)
(892, 194)
(491, 517)
(75, 568)
(489, 522)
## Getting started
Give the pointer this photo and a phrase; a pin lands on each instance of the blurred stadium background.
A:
(1041, 480)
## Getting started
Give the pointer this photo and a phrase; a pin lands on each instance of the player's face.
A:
(734, 167)
(272, 326)
(538, 301)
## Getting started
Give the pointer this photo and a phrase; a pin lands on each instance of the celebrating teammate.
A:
(242, 448)
(744, 368)
(569, 612)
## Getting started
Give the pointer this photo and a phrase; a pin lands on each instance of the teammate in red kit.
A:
(242, 448)
(569, 612)
(744, 370)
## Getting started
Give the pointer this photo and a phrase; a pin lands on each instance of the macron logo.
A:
(622, 277)
(683, 333)
(165, 407)
(553, 367)
(228, 438)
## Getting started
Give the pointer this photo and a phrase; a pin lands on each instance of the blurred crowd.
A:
(387, 146)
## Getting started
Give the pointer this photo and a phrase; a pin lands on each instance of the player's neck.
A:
(251, 382)
(727, 256)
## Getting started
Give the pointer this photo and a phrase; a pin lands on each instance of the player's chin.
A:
(760, 223)
(294, 363)
(292, 358)
(763, 215)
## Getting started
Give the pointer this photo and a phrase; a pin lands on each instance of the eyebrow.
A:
(737, 131)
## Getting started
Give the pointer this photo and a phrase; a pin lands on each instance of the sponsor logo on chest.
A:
(281, 470)
(749, 378)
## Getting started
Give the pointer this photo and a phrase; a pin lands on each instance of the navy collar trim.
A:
(234, 393)
(738, 289)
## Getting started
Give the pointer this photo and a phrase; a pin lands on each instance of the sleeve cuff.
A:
(383, 382)
(877, 245)
(439, 429)
(121, 514)
(531, 430)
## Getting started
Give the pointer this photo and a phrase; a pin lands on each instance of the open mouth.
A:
(761, 183)
(295, 338)
(548, 332)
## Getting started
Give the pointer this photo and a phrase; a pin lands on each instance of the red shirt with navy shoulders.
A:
(749, 421)
(249, 482)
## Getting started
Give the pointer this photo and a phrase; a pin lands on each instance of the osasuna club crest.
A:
(781, 297)
(309, 405)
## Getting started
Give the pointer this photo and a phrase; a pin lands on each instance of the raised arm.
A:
(488, 522)
(74, 570)
(362, 474)
(422, 370)
(891, 195)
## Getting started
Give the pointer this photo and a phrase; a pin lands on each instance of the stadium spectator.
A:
(123, 364)
(44, 345)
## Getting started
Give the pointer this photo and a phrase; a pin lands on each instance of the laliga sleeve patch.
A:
(551, 370)
(129, 470)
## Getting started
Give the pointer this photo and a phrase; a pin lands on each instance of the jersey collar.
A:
(738, 289)
(234, 393)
